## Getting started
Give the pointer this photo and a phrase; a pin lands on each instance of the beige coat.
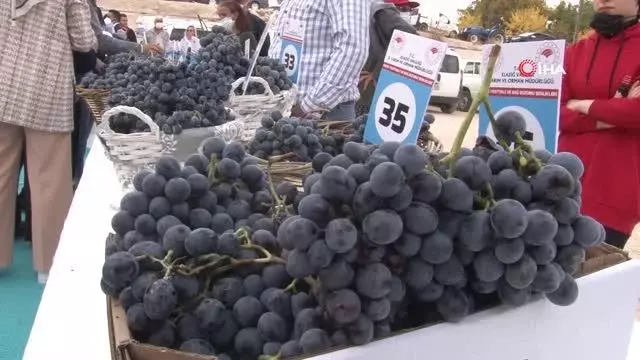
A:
(36, 64)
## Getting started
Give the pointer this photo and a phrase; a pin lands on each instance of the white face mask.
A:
(107, 21)
(159, 26)
(406, 16)
(227, 23)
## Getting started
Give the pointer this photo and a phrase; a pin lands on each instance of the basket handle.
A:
(263, 82)
(155, 129)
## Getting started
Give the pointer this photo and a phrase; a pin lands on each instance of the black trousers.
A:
(615, 237)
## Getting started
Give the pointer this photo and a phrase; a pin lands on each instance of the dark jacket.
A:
(83, 62)
(385, 18)
(595, 68)
(131, 35)
(258, 27)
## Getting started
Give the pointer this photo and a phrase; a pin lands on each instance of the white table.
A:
(71, 322)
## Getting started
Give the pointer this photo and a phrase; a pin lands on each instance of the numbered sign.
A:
(527, 82)
(292, 40)
(404, 88)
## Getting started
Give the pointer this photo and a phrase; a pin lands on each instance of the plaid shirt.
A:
(335, 47)
(36, 64)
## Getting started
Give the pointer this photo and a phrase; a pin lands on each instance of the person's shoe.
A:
(42, 278)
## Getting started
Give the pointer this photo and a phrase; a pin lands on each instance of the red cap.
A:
(407, 3)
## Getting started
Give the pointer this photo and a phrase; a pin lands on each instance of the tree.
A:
(565, 15)
(490, 11)
(466, 19)
(529, 19)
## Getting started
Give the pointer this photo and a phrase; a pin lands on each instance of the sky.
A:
(450, 7)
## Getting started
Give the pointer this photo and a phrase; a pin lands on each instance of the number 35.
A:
(394, 114)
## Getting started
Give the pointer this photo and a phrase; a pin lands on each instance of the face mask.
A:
(107, 21)
(159, 26)
(406, 16)
(227, 23)
(609, 25)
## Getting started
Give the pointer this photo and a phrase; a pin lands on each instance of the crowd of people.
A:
(49, 44)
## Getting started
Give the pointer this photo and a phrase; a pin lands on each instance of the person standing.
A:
(158, 35)
(123, 30)
(36, 110)
(236, 19)
(386, 17)
(258, 27)
(335, 47)
(190, 40)
(600, 116)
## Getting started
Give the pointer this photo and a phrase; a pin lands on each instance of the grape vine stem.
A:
(481, 98)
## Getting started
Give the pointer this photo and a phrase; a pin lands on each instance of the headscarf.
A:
(20, 8)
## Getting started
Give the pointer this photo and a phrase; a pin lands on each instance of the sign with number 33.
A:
(292, 40)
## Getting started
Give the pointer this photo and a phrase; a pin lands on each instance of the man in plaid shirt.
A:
(334, 50)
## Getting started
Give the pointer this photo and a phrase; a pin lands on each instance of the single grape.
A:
(408, 244)
(426, 186)
(411, 159)
(456, 195)
(120, 269)
(587, 231)
(569, 161)
(542, 227)
(487, 266)
(304, 232)
(387, 179)
(450, 272)
(521, 274)
(509, 219)
(248, 343)
(160, 300)
(314, 341)
(476, 233)
(361, 331)
(453, 304)
(420, 218)
(374, 281)
(564, 236)
(343, 306)
(418, 274)
(548, 278)
(228, 290)
(512, 296)
(552, 183)
(436, 248)
(474, 171)
(566, 294)
(341, 235)
(509, 251)
(570, 257)
(338, 275)
(382, 227)
(315, 208)
(543, 254)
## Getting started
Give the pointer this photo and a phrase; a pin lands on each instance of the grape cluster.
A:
(279, 136)
(199, 86)
(124, 123)
(394, 234)
(273, 72)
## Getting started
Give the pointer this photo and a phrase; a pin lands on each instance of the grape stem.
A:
(279, 207)
(213, 165)
(483, 95)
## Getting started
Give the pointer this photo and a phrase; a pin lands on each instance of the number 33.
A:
(394, 114)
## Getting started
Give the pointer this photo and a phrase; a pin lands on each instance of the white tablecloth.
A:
(71, 322)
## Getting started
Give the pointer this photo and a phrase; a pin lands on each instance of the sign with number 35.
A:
(403, 91)
(292, 40)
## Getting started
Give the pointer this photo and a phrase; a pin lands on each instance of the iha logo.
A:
(529, 68)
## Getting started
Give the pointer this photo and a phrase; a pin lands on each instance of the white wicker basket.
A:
(252, 107)
(132, 152)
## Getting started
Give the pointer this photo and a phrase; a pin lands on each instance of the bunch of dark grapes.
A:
(160, 88)
(394, 240)
(273, 72)
(124, 123)
(279, 136)
(206, 260)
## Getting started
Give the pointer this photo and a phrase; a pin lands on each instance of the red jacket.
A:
(595, 68)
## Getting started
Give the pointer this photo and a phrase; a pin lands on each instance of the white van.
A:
(471, 82)
(446, 90)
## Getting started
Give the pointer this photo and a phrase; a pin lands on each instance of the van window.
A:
(450, 64)
(468, 69)
(476, 69)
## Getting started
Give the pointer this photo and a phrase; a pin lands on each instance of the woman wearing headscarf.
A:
(190, 40)
(36, 110)
(237, 19)
(600, 116)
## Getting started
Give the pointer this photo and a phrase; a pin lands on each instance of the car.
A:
(471, 82)
(446, 90)
(442, 25)
(531, 36)
(479, 34)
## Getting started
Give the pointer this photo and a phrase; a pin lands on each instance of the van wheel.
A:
(448, 108)
(465, 100)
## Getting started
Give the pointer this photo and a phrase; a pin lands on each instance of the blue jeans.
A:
(345, 111)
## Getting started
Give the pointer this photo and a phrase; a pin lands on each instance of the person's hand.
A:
(366, 79)
(581, 106)
(296, 111)
(152, 49)
(100, 67)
